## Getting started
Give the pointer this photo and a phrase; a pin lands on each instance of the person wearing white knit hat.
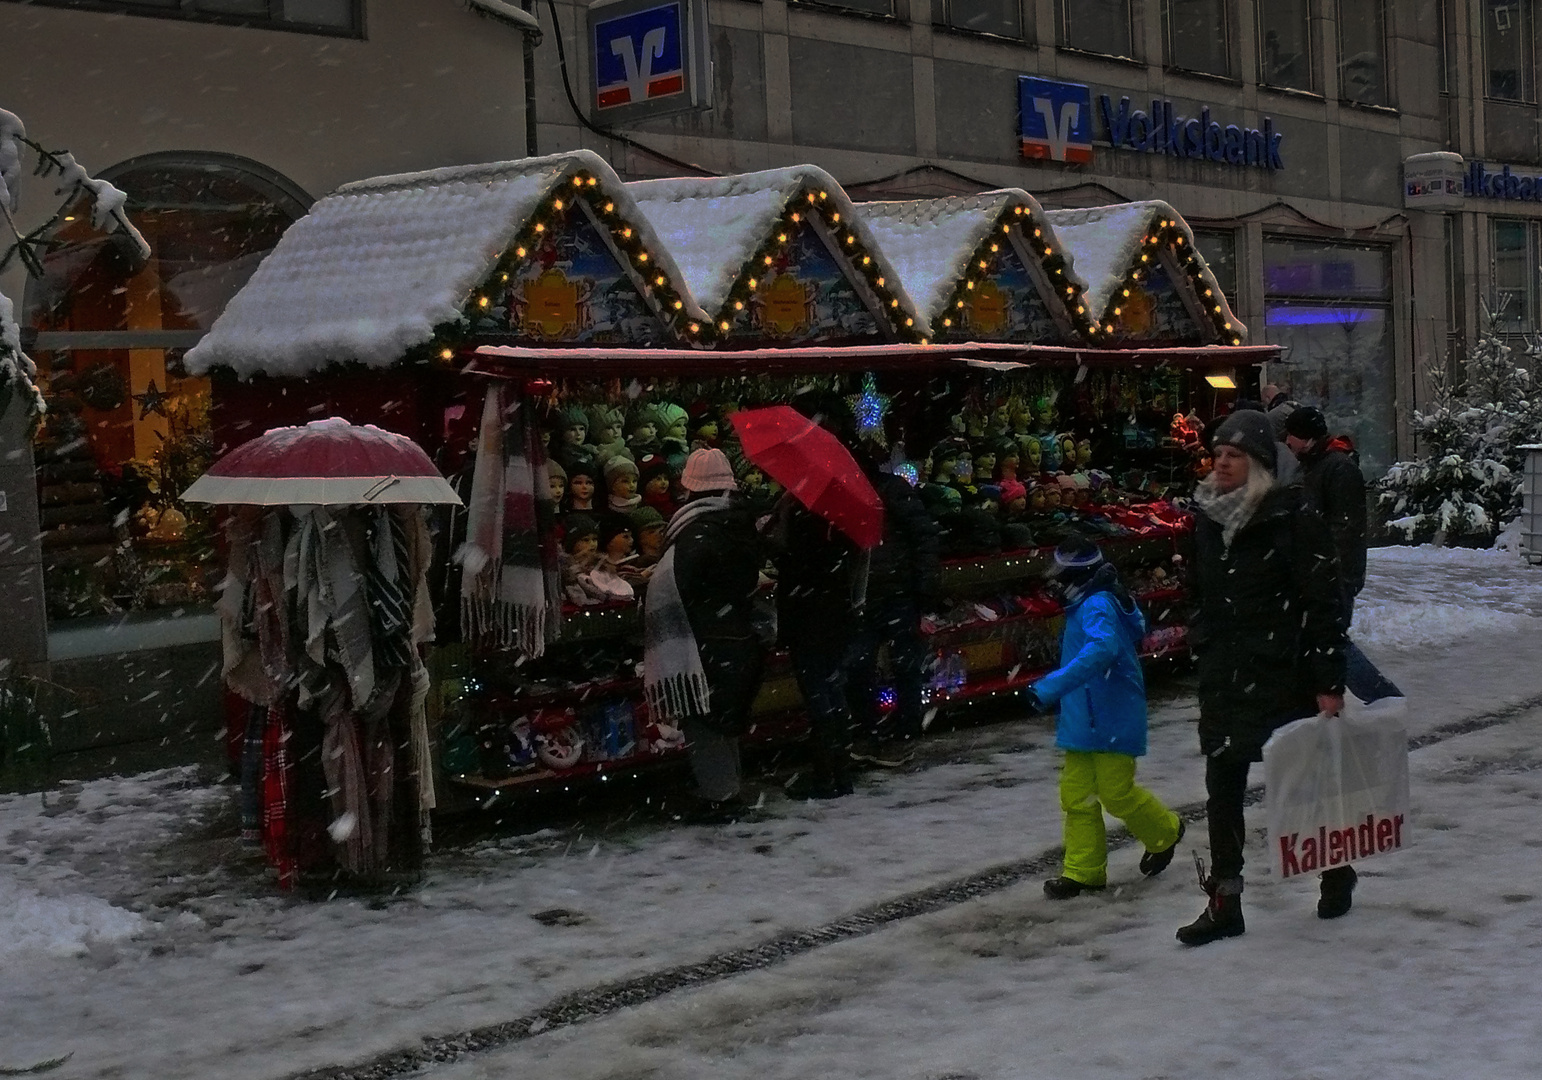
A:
(708, 470)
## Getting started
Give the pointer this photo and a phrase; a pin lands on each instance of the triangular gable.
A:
(1146, 281)
(392, 266)
(779, 258)
(983, 267)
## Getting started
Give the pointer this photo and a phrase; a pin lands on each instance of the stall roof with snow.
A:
(543, 250)
(1146, 280)
(983, 267)
(779, 257)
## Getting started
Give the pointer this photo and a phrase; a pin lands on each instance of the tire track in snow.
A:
(600, 1001)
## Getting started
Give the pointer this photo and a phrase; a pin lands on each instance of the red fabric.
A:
(331, 448)
(812, 464)
(277, 773)
(1342, 443)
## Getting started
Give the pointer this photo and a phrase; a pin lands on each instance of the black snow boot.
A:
(1153, 863)
(1338, 892)
(1222, 917)
(1063, 888)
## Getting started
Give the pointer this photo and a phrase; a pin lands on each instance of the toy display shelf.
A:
(986, 571)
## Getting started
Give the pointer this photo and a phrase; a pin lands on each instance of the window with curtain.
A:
(1004, 18)
(1100, 26)
(1515, 263)
(315, 16)
(1198, 35)
(1330, 305)
(1284, 43)
(1362, 52)
(1509, 50)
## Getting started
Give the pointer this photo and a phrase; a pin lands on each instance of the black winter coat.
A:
(1267, 624)
(908, 562)
(1332, 485)
(717, 568)
(815, 584)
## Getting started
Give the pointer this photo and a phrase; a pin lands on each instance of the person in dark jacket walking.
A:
(1101, 692)
(904, 573)
(1268, 630)
(1332, 485)
(702, 657)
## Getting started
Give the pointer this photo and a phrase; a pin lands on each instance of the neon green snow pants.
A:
(1091, 783)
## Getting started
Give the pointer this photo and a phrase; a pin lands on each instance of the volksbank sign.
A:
(1055, 124)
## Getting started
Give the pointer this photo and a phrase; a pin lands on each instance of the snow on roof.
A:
(930, 241)
(374, 267)
(712, 226)
(1106, 241)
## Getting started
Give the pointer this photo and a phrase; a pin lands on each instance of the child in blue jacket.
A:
(1102, 725)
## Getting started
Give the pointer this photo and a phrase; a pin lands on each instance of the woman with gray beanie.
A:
(1268, 630)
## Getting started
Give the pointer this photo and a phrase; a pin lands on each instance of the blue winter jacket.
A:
(1099, 685)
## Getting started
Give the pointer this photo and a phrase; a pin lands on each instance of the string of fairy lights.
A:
(1167, 233)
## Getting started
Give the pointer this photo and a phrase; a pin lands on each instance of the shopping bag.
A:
(1336, 788)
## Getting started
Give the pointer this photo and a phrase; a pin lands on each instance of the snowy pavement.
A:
(136, 938)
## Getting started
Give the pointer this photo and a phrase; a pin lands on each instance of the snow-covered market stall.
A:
(541, 327)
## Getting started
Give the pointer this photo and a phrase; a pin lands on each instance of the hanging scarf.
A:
(1233, 509)
(674, 680)
(511, 589)
(624, 506)
(277, 770)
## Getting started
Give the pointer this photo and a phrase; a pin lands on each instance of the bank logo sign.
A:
(649, 58)
(1055, 122)
(1055, 119)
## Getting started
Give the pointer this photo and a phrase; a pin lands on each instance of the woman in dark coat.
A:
(1268, 629)
(703, 658)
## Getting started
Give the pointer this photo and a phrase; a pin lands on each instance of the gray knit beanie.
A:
(1251, 432)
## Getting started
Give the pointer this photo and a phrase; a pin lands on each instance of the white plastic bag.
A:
(1336, 788)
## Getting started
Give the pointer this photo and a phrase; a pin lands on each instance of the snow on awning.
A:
(1146, 280)
(381, 266)
(982, 267)
(779, 256)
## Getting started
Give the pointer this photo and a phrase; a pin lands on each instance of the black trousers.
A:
(1226, 784)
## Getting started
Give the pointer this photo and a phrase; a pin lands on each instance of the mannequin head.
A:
(557, 478)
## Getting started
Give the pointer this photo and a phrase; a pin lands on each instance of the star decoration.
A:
(868, 408)
(152, 401)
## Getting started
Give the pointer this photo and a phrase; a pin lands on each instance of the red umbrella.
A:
(812, 464)
(324, 463)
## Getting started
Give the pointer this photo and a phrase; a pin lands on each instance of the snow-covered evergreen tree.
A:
(1464, 485)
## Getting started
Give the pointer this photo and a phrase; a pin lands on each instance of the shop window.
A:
(1100, 26)
(1508, 49)
(1219, 249)
(1330, 305)
(127, 429)
(1198, 35)
(1003, 18)
(1515, 260)
(1362, 52)
(1284, 44)
(313, 16)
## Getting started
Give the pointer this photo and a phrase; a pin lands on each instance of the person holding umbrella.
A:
(702, 658)
(822, 529)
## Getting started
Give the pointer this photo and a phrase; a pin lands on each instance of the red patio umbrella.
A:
(324, 463)
(812, 464)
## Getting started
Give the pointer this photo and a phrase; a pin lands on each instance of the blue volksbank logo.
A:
(1055, 124)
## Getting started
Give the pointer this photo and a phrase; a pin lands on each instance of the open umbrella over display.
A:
(812, 464)
(324, 463)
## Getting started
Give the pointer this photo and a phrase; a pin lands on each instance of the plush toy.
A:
(621, 485)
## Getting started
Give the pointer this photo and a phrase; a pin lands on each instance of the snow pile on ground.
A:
(58, 925)
(1416, 597)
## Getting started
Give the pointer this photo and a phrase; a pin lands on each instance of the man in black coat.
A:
(904, 573)
(1268, 630)
(1332, 485)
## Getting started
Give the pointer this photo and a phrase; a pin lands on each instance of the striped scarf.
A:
(511, 588)
(674, 681)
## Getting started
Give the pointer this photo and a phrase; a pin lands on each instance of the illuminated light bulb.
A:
(1047, 251)
(994, 247)
(539, 227)
(925, 342)
(969, 284)
(642, 256)
(578, 181)
(894, 303)
(1208, 293)
(556, 204)
(482, 301)
(659, 280)
(503, 277)
(1145, 258)
(1037, 232)
(795, 217)
(752, 283)
(723, 325)
(738, 305)
(1108, 329)
(447, 354)
(959, 304)
(984, 264)
(593, 182)
(910, 322)
(851, 239)
(679, 304)
(768, 260)
(824, 194)
(1006, 228)
(947, 322)
(1236, 341)
(811, 197)
(866, 259)
(1070, 291)
(1127, 292)
(1217, 310)
(781, 238)
(610, 207)
(879, 282)
(626, 233)
(1226, 326)
(1116, 311)
(520, 252)
(1080, 310)
(695, 328)
(1018, 210)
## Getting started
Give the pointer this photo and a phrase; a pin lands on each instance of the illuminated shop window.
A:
(127, 430)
